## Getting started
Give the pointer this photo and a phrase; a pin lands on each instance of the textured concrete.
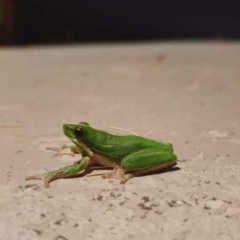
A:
(190, 91)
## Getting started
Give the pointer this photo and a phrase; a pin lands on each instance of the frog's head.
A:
(74, 131)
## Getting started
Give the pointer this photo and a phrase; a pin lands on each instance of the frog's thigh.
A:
(150, 159)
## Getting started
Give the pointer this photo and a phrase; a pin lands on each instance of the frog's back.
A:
(117, 147)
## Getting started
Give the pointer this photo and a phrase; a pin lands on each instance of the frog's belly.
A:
(103, 160)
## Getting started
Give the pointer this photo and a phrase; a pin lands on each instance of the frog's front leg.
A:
(64, 150)
(64, 172)
(143, 162)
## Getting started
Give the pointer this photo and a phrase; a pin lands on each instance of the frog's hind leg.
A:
(143, 162)
(124, 176)
(152, 169)
(64, 172)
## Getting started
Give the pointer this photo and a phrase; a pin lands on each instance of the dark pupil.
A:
(78, 133)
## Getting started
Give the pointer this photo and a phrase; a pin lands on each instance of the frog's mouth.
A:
(69, 130)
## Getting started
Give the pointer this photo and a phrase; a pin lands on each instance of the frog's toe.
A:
(64, 150)
(46, 178)
(125, 178)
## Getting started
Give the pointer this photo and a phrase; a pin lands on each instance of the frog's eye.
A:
(78, 133)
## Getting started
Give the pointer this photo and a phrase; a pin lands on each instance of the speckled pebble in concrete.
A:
(190, 92)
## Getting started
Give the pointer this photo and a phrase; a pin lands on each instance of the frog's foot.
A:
(117, 173)
(122, 177)
(64, 172)
(51, 176)
(64, 150)
(45, 177)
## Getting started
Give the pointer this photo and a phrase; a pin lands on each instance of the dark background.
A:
(48, 21)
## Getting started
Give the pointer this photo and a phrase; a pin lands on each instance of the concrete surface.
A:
(190, 91)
